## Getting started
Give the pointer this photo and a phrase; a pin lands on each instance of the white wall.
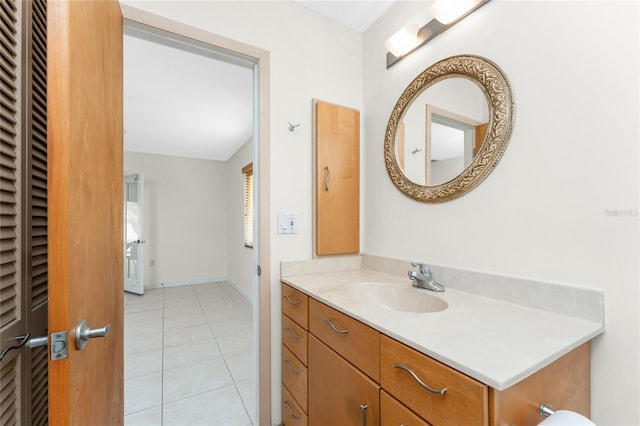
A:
(311, 57)
(239, 258)
(185, 217)
(548, 210)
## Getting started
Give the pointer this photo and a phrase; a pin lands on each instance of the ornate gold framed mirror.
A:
(449, 128)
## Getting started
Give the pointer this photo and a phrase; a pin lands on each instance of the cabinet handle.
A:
(336, 329)
(363, 411)
(327, 176)
(293, 336)
(290, 300)
(291, 410)
(293, 370)
(420, 382)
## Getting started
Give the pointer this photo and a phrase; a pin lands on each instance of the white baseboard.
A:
(242, 291)
(186, 282)
(197, 281)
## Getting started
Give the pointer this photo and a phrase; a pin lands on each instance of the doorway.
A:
(260, 358)
(133, 225)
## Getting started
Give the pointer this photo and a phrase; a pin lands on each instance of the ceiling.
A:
(191, 101)
(357, 15)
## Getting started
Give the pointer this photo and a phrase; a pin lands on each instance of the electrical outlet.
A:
(287, 223)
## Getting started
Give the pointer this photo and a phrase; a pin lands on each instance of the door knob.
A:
(84, 333)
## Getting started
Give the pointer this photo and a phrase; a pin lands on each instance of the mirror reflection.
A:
(442, 131)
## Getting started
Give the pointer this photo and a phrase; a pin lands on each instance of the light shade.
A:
(403, 41)
(447, 11)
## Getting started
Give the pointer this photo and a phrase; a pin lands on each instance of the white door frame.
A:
(261, 287)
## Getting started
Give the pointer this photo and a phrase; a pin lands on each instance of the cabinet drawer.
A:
(393, 413)
(294, 377)
(464, 403)
(355, 341)
(295, 304)
(295, 338)
(292, 414)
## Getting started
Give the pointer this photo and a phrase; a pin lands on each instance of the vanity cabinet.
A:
(340, 371)
(337, 155)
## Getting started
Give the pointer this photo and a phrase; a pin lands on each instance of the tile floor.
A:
(188, 357)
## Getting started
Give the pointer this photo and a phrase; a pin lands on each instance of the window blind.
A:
(248, 204)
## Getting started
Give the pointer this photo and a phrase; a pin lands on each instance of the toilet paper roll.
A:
(566, 418)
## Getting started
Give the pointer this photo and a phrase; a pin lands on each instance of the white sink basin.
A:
(395, 298)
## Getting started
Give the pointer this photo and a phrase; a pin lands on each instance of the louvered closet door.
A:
(23, 210)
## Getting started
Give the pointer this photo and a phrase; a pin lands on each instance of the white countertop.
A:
(496, 342)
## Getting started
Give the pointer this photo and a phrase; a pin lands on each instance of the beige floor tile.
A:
(221, 407)
(238, 344)
(142, 342)
(240, 325)
(180, 300)
(142, 364)
(246, 390)
(149, 296)
(227, 313)
(133, 317)
(175, 340)
(143, 307)
(142, 393)
(137, 328)
(150, 417)
(171, 312)
(186, 335)
(186, 320)
(190, 353)
(194, 379)
(241, 367)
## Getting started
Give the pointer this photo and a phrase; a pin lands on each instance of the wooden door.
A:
(86, 215)
(337, 179)
(339, 393)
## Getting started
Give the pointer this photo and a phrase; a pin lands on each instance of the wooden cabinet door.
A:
(339, 394)
(337, 179)
(393, 413)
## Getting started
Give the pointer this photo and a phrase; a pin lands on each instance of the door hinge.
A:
(259, 270)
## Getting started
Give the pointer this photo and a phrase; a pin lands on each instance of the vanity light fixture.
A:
(446, 13)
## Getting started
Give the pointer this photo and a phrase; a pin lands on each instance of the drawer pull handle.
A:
(420, 382)
(293, 336)
(291, 410)
(290, 300)
(363, 411)
(336, 329)
(293, 370)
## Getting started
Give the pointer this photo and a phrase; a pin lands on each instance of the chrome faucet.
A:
(423, 278)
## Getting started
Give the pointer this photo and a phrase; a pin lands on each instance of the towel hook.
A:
(292, 126)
